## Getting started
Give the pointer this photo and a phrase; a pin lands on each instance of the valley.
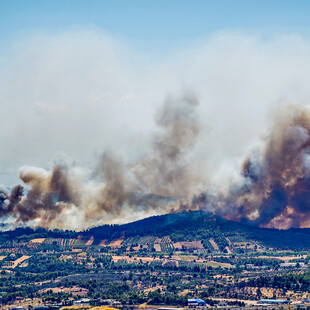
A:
(165, 259)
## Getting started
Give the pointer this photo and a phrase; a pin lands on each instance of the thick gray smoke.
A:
(70, 196)
(170, 171)
(272, 188)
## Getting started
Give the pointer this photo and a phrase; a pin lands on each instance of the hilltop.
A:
(166, 259)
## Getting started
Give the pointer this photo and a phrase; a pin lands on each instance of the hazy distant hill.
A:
(215, 233)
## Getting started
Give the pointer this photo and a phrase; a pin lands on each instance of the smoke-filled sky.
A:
(173, 95)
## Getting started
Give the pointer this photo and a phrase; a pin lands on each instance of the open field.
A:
(116, 243)
(90, 241)
(135, 259)
(103, 242)
(75, 290)
(285, 259)
(218, 264)
(37, 240)
(18, 261)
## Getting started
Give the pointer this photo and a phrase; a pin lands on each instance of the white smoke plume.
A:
(80, 92)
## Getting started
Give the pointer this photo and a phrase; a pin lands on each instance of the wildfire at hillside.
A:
(273, 189)
(277, 188)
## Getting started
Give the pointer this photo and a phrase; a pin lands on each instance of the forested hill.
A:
(200, 225)
(184, 226)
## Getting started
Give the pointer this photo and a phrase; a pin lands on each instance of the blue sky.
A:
(149, 23)
(111, 62)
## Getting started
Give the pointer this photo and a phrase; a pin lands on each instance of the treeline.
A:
(41, 264)
(183, 226)
(234, 259)
(24, 234)
(200, 225)
(293, 281)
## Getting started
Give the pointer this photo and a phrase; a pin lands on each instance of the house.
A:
(82, 302)
(196, 302)
(222, 304)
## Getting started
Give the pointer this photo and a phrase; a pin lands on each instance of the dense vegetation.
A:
(183, 226)
(292, 281)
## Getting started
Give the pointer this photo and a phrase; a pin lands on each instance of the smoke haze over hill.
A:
(237, 143)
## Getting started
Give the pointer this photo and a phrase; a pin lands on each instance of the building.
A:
(82, 302)
(111, 302)
(222, 304)
(196, 302)
(285, 265)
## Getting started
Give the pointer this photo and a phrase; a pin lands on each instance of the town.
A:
(119, 267)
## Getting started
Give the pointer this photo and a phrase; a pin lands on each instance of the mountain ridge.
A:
(184, 226)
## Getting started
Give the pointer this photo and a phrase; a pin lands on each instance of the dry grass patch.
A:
(90, 241)
(157, 247)
(188, 258)
(75, 290)
(37, 240)
(228, 250)
(65, 257)
(116, 243)
(19, 261)
(152, 289)
(283, 258)
(177, 245)
(128, 259)
(103, 242)
(218, 264)
(25, 303)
